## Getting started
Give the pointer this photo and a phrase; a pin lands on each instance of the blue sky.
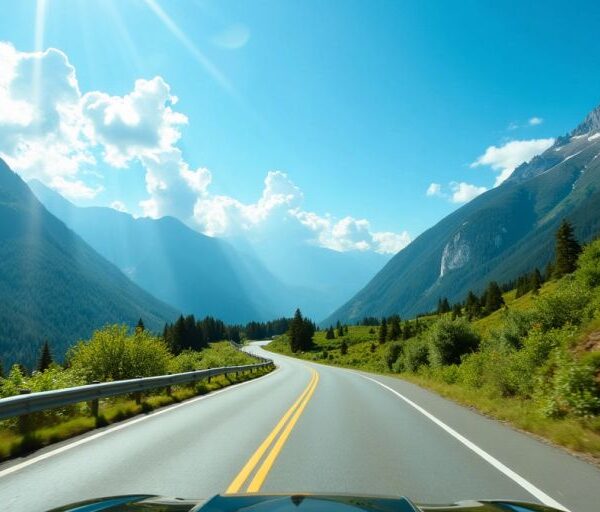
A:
(363, 105)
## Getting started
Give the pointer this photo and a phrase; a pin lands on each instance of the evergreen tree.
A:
(329, 335)
(493, 298)
(301, 333)
(407, 330)
(443, 306)
(2, 368)
(340, 330)
(395, 330)
(344, 348)
(140, 326)
(535, 282)
(45, 359)
(567, 250)
(472, 306)
(383, 331)
(456, 311)
(372, 348)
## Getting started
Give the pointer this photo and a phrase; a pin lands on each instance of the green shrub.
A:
(415, 355)
(588, 271)
(114, 354)
(449, 340)
(392, 353)
(514, 328)
(567, 304)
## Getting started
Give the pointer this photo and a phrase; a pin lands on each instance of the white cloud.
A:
(119, 206)
(504, 159)
(435, 189)
(74, 189)
(464, 192)
(40, 123)
(51, 131)
(141, 123)
(233, 37)
(534, 121)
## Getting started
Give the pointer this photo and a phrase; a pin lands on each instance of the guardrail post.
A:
(169, 390)
(24, 422)
(138, 394)
(95, 403)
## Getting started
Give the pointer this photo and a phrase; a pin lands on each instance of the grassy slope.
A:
(581, 435)
(112, 410)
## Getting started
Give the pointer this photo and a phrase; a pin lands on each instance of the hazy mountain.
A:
(55, 286)
(235, 281)
(195, 273)
(499, 235)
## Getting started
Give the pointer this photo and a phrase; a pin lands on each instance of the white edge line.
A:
(120, 426)
(528, 486)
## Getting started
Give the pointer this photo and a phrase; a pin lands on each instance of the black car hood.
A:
(292, 503)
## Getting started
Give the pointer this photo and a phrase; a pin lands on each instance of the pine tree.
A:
(1, 369)
(383, 331)
(329, 335)
(344, 348)
(372, 348)
(472, 306)
(549, 271)
(296, 331)
(140, 326)
(567, 250)
(535, 282)
(340, 330)
(395, 329)
(45, 359)
(493, 298)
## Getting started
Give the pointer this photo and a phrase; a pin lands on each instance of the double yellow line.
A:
(285, 427)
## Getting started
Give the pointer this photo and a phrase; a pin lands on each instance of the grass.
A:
(581, 435)
(14, 444)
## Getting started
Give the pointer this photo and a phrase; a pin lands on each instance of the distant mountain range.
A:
(53, 285)
(236, 282)
(499, 235)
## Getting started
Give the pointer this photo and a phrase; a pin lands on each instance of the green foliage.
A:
(45, 359)
(449, 340)
(301, 333)
(392, 353)
(589, 265)
(114, 354)
(343, 348)
(567, 250)
(415, 355)
(567, 304)
(383, 331)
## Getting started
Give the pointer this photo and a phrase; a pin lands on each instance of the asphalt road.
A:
(305, 427)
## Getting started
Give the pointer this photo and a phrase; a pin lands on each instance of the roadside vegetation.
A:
(113, 353)
(527, 352)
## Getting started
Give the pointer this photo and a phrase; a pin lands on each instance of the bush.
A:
(565, 305)
(392, 353)
(515, 326)
(114, 354)
(588, 271)
(415, 355)
(449, 340)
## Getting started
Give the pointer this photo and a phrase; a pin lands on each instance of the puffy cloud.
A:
(119, 206)
(350, 234)
(435, 189)
(139, 124)
(224, 215)
(504, 159)
(40, 122)
(534, 121)
(51, 131)
(464, 192)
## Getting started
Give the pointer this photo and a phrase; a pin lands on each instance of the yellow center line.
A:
(239, 480)
(266, 466)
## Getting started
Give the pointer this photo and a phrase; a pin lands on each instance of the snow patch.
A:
(579, 136)
(594, 137)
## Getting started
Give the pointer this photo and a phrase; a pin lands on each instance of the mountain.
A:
(230, 279)
(499, 235)
(53, 285)
(195, 273)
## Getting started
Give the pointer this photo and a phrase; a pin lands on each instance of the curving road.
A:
(305, 427)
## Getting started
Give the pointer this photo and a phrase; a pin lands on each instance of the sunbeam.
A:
(38, 44)
(206, 63)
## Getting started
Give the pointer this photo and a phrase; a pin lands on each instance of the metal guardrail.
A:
(24, 404)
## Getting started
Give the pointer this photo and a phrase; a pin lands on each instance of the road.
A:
(305, 427)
